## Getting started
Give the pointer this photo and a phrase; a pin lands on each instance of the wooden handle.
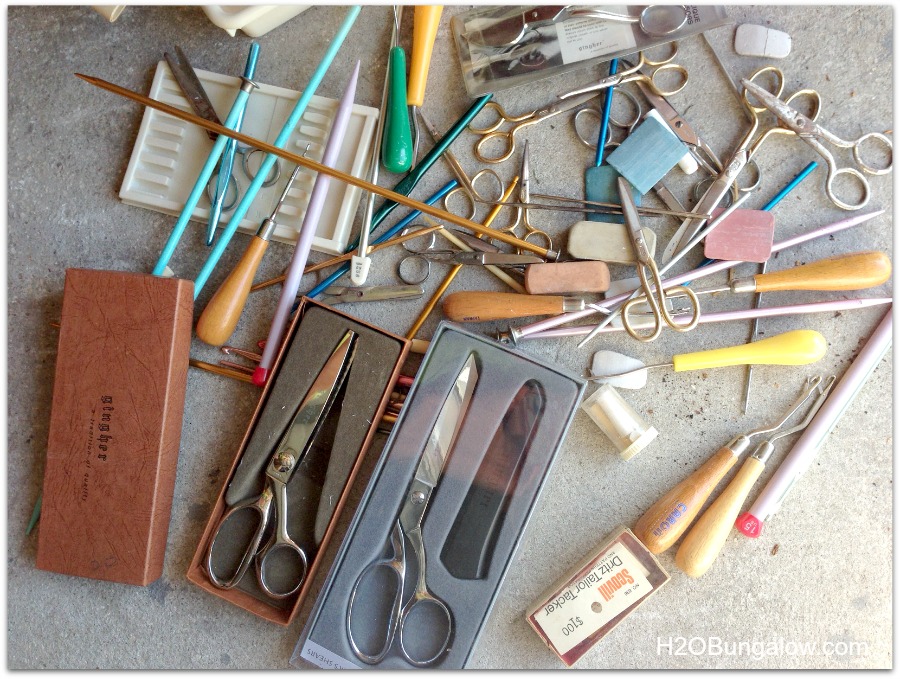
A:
(220, 317)
(855, 271)
(702, 544)
(665, 521)
(471, 307)
(425, 25)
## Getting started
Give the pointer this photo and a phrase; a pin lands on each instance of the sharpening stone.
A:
(745, 236)
(751, 40)
(601, 185)
(606, 242)
(648, 154)
(559, 278)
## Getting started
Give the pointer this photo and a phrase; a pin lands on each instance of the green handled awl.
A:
(396, 140)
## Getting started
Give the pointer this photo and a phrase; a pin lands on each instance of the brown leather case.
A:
(115, 425)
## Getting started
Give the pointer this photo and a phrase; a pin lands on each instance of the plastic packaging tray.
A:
(169, 154)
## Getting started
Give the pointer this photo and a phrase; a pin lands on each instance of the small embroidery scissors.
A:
(591, 112)
(289, 572)
(508, 137)
(633, 74)
(525, 199)
(654, 293)
(814, 134)
(408, 526)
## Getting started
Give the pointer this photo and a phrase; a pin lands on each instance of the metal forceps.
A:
(408, 526)
(634, 74)
(746, 149)
(288, 455)
(524, 217)
(652, 285)
(508, 137)
(814, 134)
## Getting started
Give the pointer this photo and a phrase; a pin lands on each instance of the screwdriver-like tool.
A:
(220, 317)
(396, 141)
(704, 541)
(425, 25)
(472, 306)
(670, 516)
(796, 347)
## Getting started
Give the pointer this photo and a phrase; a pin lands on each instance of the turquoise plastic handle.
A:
(396, 140)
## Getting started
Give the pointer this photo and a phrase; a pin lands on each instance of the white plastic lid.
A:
(619, 421)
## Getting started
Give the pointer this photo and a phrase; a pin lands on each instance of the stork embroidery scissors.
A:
(408, 526)
(814, 134)
(651, 285)
(634, 74)
(288, 455)
(508, 137)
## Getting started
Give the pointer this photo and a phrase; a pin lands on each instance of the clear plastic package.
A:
(504, 46)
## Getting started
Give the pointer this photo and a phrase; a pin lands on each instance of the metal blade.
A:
(496, 259)
(447, 425)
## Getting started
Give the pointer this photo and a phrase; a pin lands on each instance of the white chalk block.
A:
(605, 242)
(751, 40)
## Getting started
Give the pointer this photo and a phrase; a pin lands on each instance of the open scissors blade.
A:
(495, 258)
(440, 443)
(190, 84)
(340, 294)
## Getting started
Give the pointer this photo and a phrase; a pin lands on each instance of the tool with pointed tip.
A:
(703, 542)
(425, 25)
(668, 518)
(222, 312)
(396, 142)
(796, 347)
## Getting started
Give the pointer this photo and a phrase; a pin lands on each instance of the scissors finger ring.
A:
(542, 238)
(506, 149)
(886, 141)
(274, 173)
(459, 191)
(232, 184)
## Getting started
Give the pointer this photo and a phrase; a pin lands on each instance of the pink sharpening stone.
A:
(745, 236)
(557, 278)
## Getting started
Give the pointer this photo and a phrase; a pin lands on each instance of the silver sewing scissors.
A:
(508, 137)
(634, 74)
(408, 526)
(483, 254)
(525, 199)
(746, 149)
(290, 566)
(655, 20)
(814, 134)
(654, 293)
(342, 294)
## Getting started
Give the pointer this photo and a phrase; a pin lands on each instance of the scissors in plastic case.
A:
(408, 526)
(287, 457)
(634, 74)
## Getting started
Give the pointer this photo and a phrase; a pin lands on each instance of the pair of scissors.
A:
(740, 158)
(524, 216)
(814, 135)
(507, 138)
(654, 20)
(361, 620)
(655, 295)
(634, 74)
(288, 572)
(342, 294)
(589, 112)
(483, 253)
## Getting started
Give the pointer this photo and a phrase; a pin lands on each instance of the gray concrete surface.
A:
(823, 601)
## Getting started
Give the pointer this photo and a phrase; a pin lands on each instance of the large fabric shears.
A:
(408, 526)
(654, 294)
(508, 137)
(288, 570)
(814, 134)
(634, 74)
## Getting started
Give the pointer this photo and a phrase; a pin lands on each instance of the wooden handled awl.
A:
(471, 307)
(425, 25)
(222, 312)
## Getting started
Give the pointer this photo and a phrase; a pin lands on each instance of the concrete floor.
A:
(829, 587)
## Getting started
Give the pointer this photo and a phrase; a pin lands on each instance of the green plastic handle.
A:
(396, 140)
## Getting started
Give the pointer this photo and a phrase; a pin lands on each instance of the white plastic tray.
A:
(169, 154)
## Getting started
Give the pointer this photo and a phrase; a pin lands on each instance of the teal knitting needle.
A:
(280, 142)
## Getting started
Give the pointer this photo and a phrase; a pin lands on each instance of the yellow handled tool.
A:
(668, 518)
(425, 25)
(796, 347)
(222, 312)
(472, 307)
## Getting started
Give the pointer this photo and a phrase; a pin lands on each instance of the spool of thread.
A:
(619, 421)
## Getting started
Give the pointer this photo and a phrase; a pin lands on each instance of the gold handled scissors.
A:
(814, 134)
(287, 571)
(508, 137)
(524, 217)
(634, 74)
(656, 296)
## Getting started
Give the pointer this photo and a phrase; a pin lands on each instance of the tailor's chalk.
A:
(648, 154)
(601, 185)
(745, 236)
(606, 242)
(751, 40)
(559, 278)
